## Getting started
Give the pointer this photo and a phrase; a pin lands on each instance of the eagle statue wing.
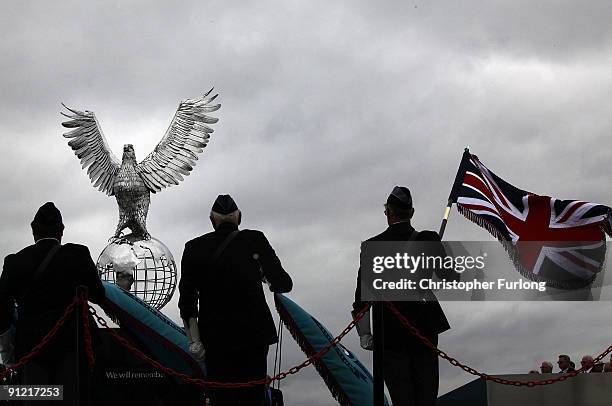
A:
(176, 153)
(89, 145)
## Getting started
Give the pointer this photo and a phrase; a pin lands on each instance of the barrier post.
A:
(377, 324)
(82, 381)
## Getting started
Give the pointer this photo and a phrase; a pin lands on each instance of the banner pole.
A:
(447, 211)
(452, 198)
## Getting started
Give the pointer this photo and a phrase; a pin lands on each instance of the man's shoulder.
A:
(200, 239)
(389, 235)
(386, 235)
(253, 238)
(379, 237)
(9, 260)
(71, 251)
(71, 246)
(428, 235)
(24, 253)
(252, 233)
(214, 237)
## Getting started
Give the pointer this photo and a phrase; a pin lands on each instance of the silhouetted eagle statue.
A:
(131, 182)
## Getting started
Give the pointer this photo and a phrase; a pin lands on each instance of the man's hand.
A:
(197, 351)
(367, 342)
(365, 332)
(196, 348)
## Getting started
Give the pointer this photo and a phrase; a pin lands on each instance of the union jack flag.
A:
(560, 242)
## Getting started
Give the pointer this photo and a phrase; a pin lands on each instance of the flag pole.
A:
(452, 198)
(447, 211)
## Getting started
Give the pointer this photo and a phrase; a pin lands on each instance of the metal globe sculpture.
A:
(147, 265)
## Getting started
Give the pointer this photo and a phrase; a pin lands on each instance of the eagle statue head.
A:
(128, 153)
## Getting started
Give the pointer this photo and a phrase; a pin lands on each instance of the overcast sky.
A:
(325, 107)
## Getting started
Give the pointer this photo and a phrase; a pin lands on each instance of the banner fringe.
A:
(510, 248)
(328, 378)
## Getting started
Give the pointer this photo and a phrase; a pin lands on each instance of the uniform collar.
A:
(46, 239)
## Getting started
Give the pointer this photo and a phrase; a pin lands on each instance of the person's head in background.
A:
(546, 367)
(225, 210)
(587, 362)
(398, 207)
(564, 362)
(47, 223)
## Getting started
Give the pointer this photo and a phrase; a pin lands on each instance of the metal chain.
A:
(82, 300)
(414, 331)
(213, 384)
(43, 343)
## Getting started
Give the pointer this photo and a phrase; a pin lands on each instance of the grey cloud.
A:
(325, 106)
(546, 30)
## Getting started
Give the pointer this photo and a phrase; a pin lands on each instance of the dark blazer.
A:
(41, 303)
(428, 316)
(233, 312)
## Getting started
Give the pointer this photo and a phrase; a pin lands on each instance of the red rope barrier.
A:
(220, 385)
(43, 343)
(86, 310)
(414, 331)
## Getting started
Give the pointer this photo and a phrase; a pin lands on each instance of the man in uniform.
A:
(221, 285)
(410, 368)
(42, 280)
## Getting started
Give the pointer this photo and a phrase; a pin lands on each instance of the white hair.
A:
(233, 217)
